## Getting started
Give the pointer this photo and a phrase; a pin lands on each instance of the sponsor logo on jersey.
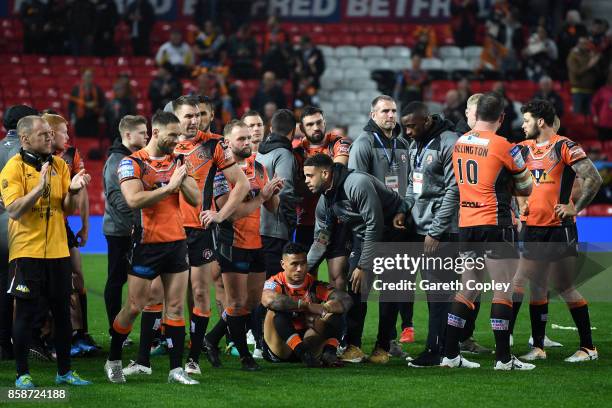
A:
(472, 139)
(471, 204)
(270, 285)
(126, 169)
(541, 177)
(515, 152)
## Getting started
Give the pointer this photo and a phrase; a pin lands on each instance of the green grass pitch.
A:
(553, 383)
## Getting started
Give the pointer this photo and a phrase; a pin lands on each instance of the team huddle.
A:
(255, 217)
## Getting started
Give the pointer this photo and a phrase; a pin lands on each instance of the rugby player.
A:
(82, 340)
(239, 246)
(487, 169)
(467, 344)
(204, 154)
(550, 236)
(151, 179)
(255, 124)
(304, 315)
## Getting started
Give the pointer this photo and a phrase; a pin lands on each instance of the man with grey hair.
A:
(380, 150)
(37, 192)
(547, 93)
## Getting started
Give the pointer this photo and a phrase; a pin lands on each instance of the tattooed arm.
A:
(278, 302)
(591, 181)
(338, 302)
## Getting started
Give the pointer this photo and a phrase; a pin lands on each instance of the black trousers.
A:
(439, 303)
(119, 249)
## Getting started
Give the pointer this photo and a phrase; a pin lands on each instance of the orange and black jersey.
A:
(550, 164)
(311, 290)
(244, 232)
(162, 222)
(332, 145)
(484, 164)
(73, 159)
(204, 155)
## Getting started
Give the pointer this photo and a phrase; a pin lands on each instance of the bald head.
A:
(35, 135)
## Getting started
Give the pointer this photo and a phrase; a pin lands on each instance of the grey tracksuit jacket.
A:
(368, 155)
(435, 209)
(362, 202)
(276, 155)
(118, 218)
(9, 146)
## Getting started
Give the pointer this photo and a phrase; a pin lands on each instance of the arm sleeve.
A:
(342, 147)
(128, 169)
(113, 191)
(323, 291)
(12, 186)
(512, 157)
(220, 185)
(572, 152)
(450, 201)
(223, 157)
(360, 155)
(272, 284)
(322, 233)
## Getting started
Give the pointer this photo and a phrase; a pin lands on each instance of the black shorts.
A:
(32, 278)
(340, 243)
(269, 356)
(200, 245)
(243, 261)
(549, 243)
(72, 240)
(491, 241)
(152, 260)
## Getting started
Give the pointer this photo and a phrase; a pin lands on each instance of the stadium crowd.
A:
(255, 210)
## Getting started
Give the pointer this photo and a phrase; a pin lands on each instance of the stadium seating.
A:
(356, 54)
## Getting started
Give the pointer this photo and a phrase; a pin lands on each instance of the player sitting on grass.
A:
(304, 315)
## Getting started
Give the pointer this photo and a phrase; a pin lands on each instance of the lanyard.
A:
(391, 158)
(419, 160)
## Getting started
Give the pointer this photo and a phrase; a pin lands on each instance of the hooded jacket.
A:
(9, 146)
(118, 218)
(276, 155)
(368, 155)
(360, 201)
(435, 209)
